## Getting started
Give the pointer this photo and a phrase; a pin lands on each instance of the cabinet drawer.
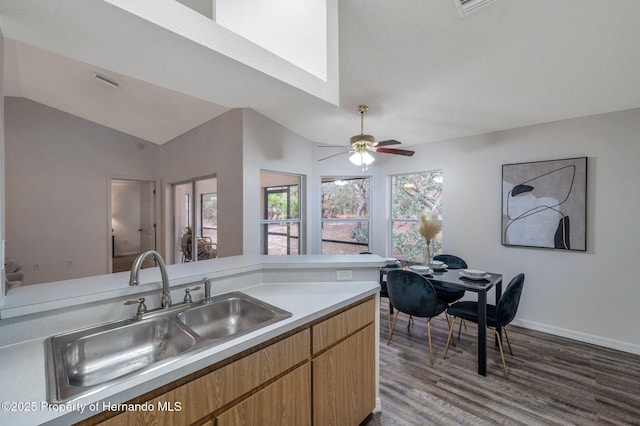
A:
(340, 326)
(206, 394)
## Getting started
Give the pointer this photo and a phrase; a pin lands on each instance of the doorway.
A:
(195, 220)
(133, 227)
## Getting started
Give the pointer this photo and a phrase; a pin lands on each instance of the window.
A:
(411, 195)
(280, 222)
(345, 215)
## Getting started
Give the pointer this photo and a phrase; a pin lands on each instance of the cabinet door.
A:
(344, 388)
(287, 401)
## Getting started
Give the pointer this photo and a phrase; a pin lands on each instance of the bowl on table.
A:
(420, 269)
(438, 265)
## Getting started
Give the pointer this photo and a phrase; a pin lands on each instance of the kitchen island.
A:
(331, 320)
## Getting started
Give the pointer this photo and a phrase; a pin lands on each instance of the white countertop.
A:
(22, 371)
(30, 299)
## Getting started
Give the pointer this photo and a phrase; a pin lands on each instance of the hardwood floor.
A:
(552, 380)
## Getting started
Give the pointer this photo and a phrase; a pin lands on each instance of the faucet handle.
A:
(187, 294)
(142, 308)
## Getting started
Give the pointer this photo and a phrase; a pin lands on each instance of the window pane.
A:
(345, 215)
(415, 193)
(280, 213)
(345, 198)
(280, 238)
(345, 237)
(210, 216)
(408, 244)
(283, 202)
(412, 195)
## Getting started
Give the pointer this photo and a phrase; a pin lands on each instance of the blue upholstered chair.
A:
(414, 295)
(452, 261)
(449, 295)
(498, 317)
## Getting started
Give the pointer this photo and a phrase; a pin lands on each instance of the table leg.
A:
(482, 333)
(498, 288)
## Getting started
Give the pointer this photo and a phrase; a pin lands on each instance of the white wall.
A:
(590, 295)
(269, 146)
(57, 196)
(214, 148)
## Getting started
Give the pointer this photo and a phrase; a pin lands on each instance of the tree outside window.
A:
(411, 195)
(345, 215)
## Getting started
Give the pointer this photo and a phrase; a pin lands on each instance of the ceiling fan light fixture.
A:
(362, 159)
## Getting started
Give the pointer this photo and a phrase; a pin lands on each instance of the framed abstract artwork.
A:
(544, 204)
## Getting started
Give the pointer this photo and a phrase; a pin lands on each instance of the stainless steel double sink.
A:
(88, 360)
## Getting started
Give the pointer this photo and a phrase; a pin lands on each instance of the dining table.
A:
(453, 279)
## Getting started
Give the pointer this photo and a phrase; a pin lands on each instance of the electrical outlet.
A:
(344, 275)
(36, 266)
(69, 263)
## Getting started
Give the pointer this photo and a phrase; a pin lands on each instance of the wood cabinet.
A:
(344, 388)
(285, 402)
(322, 374)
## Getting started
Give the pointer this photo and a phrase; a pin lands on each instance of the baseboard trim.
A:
(579, 336)
(378, 407)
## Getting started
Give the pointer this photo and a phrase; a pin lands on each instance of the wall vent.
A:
(467, 7)
(106, 80)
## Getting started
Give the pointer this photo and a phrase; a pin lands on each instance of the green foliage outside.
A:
(210, 210)
(279, 202)
(348, 199)
(345, 201)
(412, 195)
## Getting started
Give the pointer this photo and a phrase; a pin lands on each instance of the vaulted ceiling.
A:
(426, 73)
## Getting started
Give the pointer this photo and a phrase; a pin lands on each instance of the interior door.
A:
(147, 216)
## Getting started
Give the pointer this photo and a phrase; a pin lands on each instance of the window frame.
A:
(264, 222)
(368, 219)
(414, 220)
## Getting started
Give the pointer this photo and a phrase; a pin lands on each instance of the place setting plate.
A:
(420, 269)
(475, 274)
(439, 267)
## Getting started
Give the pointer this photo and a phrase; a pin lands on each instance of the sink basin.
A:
(88, 360)
(100, 357)
(95, 356)
(230, 314)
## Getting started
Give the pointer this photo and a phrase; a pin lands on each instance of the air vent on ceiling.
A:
(106, 80)
(467, 7)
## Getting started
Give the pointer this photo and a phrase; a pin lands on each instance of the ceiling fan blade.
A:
(395, 151)
(334, 155)
(330, 146)
(387, 142)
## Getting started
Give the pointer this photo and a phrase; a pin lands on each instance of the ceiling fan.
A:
(362, 144)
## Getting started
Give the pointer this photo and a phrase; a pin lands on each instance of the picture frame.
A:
(544, 204)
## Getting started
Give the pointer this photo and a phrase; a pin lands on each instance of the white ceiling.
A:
(425, 73)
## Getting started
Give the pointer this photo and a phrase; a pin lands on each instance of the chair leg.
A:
(431, 356)
(504, 330)
(460, 327)
(390, 312)
(395, 318)
(504, 364)
(446, 315)
(446, 349)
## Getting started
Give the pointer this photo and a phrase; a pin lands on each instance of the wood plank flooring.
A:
(552, 380)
